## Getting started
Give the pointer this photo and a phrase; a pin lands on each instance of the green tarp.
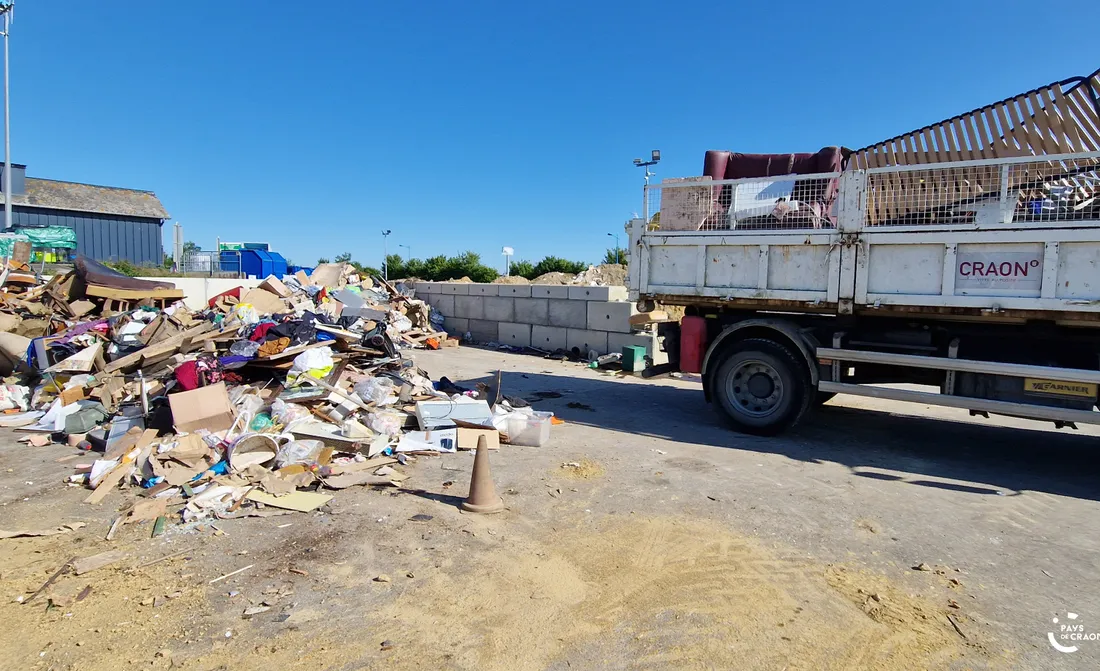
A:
(50, 237)
(7, 243)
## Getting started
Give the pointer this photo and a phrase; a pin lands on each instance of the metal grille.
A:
(787, 202)
(207, 263)
(1047, 189)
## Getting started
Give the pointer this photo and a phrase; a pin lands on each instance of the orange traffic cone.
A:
(483, 495)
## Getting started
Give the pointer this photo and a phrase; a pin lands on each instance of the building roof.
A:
(54, 195)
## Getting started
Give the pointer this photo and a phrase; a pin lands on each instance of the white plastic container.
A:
(535, 433)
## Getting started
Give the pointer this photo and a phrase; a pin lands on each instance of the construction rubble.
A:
(259, 404)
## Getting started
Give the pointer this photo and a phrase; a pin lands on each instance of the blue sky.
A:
(472, 125)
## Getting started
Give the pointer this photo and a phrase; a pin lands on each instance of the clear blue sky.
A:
(472, 125)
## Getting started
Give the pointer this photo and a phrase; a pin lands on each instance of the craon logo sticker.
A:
(1069, 633)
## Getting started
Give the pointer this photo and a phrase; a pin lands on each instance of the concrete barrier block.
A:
(610, 316)
(483, 330)
(429, 288)
(532, 311)
(514, 290)
(549, 337)
(549, 291)
(499, 308)
(456, 325)
(597, 293)
(568, 314)
(585, 340)
(470, 307)
(516, 335)
(421, 287)
(456, 288)
(445, 304)
(483, 290)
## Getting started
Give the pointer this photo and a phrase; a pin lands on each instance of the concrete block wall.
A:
(545, 316)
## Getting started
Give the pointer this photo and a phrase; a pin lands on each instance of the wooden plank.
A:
(81, 362)
(948, 138)
(168, 346)
(1067, 133)
(301, 501)
(1040, 129)
(131, 294)
(86, 564)
(1052, 129)
(1082, 109)
(962, 141)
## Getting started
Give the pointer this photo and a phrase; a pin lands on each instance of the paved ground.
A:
(671, 543)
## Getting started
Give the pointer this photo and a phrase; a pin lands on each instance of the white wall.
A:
(199, 290)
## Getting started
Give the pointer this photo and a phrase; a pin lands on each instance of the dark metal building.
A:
(111, 223)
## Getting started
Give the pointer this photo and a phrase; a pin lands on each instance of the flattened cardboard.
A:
(264, 301)
(203, 408)
(467, 438)
(275, 286)
(300, 501)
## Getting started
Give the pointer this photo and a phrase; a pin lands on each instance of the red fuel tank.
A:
(693, 344)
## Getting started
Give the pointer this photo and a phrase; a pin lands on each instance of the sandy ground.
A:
(644, 535)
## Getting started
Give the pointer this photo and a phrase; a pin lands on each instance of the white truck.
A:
(979, 276)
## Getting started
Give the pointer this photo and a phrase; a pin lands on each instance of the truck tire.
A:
(761, 386)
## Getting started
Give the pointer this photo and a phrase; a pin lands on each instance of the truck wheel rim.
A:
(755, 388)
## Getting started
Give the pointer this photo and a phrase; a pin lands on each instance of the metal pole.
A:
(7, 128)
(385, 257)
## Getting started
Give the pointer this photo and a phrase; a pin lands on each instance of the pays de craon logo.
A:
(1069, 632)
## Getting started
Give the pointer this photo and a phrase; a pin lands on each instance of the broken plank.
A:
(166, 347)
(94, 562)
(81, 362)
(301, 501)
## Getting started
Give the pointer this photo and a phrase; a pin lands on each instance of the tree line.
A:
(442, 268)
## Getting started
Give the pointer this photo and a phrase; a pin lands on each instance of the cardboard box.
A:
(275, 286)
(467, 438)
(203, 408)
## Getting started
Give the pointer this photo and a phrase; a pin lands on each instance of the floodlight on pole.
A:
(385, 254)
(508, 252)
(654, 159)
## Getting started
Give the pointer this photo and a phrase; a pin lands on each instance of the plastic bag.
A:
(288, 414)
(247, 314)
(13, 396)
(298, 452)
(386, 422)
(376, 390)
(244, 348)
(316, 362)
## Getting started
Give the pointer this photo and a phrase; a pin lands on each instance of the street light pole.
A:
(408, 252)
(7, 8)
(386, 254)
(616, 236)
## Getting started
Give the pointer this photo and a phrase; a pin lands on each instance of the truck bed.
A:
(1011, 239)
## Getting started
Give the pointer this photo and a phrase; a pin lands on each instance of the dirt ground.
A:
(644, 535)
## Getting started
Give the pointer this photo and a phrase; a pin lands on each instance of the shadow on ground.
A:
(992, 460)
